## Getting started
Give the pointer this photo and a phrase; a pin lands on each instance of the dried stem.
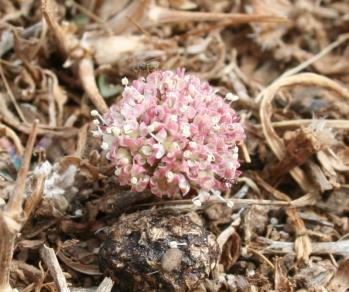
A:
(58, 33)
(49, 257)
(148, 14)
(337, 124)
(334, 247)
(87, 77)
(14, 206)
(159, 15)
(11, 217)
(301, 202)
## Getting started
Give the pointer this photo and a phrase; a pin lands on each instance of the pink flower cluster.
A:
(171, 133)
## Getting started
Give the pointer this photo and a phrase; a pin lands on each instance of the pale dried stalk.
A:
(333, 247)
(11, 216)
(274, 141)
(263, 258)
(58, 33)
(49, 257)
(302, 244)
(159, 15)
(106, 285)
(148, 14)
(87, 77)
(303, 201)
(14, 205)
(336, 124)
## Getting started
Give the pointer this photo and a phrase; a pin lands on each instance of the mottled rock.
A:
(159, 251)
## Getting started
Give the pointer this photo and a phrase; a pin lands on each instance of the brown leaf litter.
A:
(287, 225)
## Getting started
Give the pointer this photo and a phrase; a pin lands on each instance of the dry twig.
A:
(49, 257)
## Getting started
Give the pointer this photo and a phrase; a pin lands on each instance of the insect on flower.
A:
(147, 66)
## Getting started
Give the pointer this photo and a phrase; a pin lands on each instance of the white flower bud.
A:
(146, 150)
(94, 113)
(197, 202)
(231, 97)
(160, 150)
(105, 146)
(116, 131)
(170, 176)
(124, 81)
(186, 130)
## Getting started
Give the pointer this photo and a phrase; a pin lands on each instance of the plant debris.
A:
(69, 224)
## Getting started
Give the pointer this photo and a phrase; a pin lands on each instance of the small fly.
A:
(147, 66)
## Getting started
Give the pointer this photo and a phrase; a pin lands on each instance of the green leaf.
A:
(106, 89)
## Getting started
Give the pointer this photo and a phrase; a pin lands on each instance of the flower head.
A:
(171, 133)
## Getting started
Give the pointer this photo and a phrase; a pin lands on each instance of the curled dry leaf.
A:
(231, 248)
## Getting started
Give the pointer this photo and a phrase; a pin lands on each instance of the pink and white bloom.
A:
(172, 133)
